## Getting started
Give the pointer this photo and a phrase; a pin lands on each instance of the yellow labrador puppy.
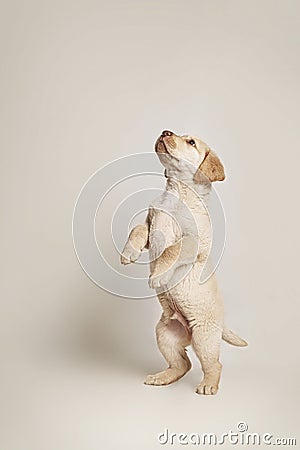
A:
(177, 233)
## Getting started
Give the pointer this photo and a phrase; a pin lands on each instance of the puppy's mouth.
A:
(160, 146)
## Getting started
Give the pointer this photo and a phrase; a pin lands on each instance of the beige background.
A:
(83, 83)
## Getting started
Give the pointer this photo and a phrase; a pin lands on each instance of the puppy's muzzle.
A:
(164, 141)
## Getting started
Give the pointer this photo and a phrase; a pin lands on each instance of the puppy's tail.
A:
(232, 338)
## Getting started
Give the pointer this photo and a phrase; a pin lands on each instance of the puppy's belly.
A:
(185, 292)
(185, 280)
(196, 303)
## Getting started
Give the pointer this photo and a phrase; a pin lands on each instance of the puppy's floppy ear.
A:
(211, 167)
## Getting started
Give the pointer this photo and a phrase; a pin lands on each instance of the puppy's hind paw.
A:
(165, 377)
(206, 389)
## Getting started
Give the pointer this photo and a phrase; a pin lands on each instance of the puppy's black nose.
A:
(166, 133)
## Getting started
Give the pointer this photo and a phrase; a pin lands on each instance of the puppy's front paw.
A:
(129, 255)
(160, 281)
(153, 282)
(206, 388)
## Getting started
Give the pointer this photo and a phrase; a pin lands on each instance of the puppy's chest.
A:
(176, 217)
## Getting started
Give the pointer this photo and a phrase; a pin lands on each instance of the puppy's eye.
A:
(192, 142)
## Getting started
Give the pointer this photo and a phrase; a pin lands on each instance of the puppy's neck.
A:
(183, 188)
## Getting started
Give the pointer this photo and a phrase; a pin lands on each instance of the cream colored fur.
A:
(177, 233)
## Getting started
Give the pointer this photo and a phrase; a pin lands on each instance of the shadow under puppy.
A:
(178, 234)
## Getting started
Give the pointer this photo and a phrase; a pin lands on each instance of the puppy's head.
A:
(188, 156)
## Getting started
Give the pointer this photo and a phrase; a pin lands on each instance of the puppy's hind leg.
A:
(206, 343)
(172, 338)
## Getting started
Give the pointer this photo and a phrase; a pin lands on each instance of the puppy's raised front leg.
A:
(162, 266)
(182, 253)
(137, 241)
